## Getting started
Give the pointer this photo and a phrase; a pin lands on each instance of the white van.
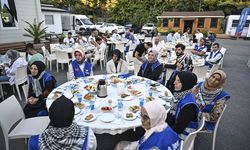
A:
(232, 23)
(76, 22)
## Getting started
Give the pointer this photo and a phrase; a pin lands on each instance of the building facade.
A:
(205, 21)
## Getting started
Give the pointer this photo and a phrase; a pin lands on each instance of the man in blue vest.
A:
(214, 57)
(79, 67)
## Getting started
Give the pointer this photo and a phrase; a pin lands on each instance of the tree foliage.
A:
(141, 11)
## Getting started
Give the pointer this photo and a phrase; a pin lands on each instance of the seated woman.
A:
(211, 98)
(62, 132)
(79, 67)
(183, 114)
(32, 55)
(158, 134)
(116, 64)
(41, 83)
(151, 68)
(10, 69)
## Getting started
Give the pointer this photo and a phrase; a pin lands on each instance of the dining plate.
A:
(89, 117)
(77, 110)
(128, 98)
(133, 116)
(107, 117)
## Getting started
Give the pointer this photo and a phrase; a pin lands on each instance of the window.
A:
(176, 22)
(236, 22)
(214, 22)
(49, 19)
(165, 22)
(78, 22)
(7, 19)
(200, 23)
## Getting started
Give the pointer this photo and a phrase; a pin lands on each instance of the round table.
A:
(120, 123)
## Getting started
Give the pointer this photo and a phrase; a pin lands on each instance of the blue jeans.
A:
(4, 78)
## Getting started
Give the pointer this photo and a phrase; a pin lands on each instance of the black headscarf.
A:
(118, 53)
(40, 66)
(188, 80)
(61, 112)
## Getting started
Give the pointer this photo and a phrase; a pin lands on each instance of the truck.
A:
(232, 23)
(79, 23)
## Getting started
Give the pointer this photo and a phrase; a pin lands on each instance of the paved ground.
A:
(234, 130)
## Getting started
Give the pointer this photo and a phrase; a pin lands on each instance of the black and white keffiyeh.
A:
(68, 138)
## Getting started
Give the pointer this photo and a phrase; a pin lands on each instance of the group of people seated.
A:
(163, 130)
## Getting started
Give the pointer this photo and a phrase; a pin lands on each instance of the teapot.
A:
(102, 88)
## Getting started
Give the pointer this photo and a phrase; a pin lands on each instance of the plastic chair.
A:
(201, 73)
(188, 143)
(52, 47)
(129, 59)
(25, 88)
(216, 127)
(121, 48)
(148, 39)
(62, 57)
(20, 78)
(248, 63)
(223, 51)
(10, 113)
(49, 57)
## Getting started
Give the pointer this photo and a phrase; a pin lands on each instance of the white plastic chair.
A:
(132, 47)
(20, 78)
(49, 57)
(201, 72)
(62, 57)
(121, 48)
(215, 128)
(148, 39)
(248, 63)
(188, 143)
(223, 51)
(10, 113)
(25, 88)
(129, 59)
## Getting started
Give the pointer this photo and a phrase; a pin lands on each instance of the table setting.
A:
(109, 103)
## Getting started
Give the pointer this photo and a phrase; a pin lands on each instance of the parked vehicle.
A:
(135, 28)
(148, 28)
(232, 23)
(99, 24)
(76, 22)
(110, 27)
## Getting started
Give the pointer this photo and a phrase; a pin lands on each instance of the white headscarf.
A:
(157, 114)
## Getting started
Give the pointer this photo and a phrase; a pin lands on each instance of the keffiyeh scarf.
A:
(177, 97)
(68, 138)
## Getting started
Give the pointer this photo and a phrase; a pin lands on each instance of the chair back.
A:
(52, 47)
(132, 47)
(120, 47)
(188, 143)
(201, 72)
(21, 75)
(45, 51)
(148, 39)
(129, 56)
(62, 57)
(25, 88)
(10, 113)
(214, 68)
(218, 121)
(223, 50)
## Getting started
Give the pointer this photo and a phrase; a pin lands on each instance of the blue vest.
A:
(153, 67)
(199, 49)
(165, 140)
(208, 108)
(78, 71)
(192, 126)
(210, 64)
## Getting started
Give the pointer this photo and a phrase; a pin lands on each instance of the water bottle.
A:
(120, 105)
(141, 101)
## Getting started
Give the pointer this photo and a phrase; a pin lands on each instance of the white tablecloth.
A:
(119, 125)
(69, 49)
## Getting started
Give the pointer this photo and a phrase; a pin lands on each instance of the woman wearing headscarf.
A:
(62, 133)
(10, 69)
(117, 64)
(158, 135)
(151, 68)
(211, 98)
(41, 83)
(79, 67)
(183, 114)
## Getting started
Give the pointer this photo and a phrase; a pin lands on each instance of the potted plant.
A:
(61, 38)
(36, 32)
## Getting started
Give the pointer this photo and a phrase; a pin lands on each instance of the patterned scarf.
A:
(177, 97)
(68, 138)
(205, 97)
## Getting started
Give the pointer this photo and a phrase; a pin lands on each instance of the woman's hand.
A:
(32, 100)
